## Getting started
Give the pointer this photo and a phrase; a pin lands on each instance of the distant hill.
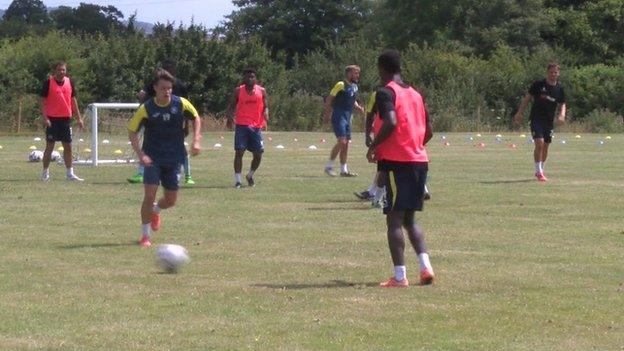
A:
(2, 13)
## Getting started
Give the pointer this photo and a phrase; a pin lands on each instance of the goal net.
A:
(105, 137)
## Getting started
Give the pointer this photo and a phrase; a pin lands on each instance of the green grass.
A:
(294, 263)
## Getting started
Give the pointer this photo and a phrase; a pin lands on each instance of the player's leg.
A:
(339, 133)
(547, 141)
(369, 193)
(188, 179)
(344, 151)
(396, 244)
(240, 145)
(65, 136)
(47, 157)
(256, 146)
(417, 239)
(538, 140)
(138, 176)
(147, 207)
(169, 179)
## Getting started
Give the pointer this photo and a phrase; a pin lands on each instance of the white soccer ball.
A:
(56, 155)
(171, 257)
(35, 156)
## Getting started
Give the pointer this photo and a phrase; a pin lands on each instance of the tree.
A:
(88, 18)
(27, 11)
(297, 26)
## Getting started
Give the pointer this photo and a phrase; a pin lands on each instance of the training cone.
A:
(105, 141)
(32, 147)
(217, 145)
(295, 139)
(480, 145)
(513, 146)
(1, 147)
(447, 144)
(323, 140)
(269, 138)
(37, 139)
(280, 146)
(118, 152)
(60, 149)
(478, 135)
(577, 136)
(312, 147)
(86, 150)
(608, 137)
(523, 135)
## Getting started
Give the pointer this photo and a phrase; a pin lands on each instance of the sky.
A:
(207, 12)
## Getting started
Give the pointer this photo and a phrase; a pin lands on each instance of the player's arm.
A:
(231, 107)
(428, 127)
(370, 117)
(562, 113)
(134, 125)
(329, 102)
(42, 96)
(359, 108)
(265, 112)
(75, 108)
(385, 106)
(523, 104)
(190, 110)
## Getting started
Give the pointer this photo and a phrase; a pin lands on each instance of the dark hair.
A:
(247, 71)
(169, 65)
(552, 64)
(164, 75)
(390, 61)
(59, 63)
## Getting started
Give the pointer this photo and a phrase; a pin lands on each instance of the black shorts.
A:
(59, 130)
(541, 131)
(405, 185)
(167, 176)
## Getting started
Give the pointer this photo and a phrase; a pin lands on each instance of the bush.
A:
(604, 121)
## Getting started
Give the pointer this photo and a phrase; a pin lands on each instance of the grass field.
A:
(294, 263)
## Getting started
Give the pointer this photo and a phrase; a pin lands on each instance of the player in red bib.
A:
(401, 131)
(58, 105)
(249, 111)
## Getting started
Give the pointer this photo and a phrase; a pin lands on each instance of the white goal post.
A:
(92, 111)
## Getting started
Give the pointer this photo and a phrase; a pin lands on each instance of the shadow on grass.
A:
(338, 208)
(487, 182)
(331, 284)
(97, 246)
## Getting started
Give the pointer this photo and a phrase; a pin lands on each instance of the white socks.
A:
(70, 171)
(399, 273)
(423, 262)
(343, 168)
(145, 228)
(238, 177)
(539, 167)
(251, 173)
(329, 164)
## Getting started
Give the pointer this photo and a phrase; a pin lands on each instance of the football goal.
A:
(105, 137)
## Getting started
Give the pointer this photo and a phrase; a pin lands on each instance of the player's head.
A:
(169, 65)
(389, 64)
(352, 72)
(553, 70)
(60, 69)
(250, 77)
(163, 84)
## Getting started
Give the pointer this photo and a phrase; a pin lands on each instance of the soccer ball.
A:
(55, 156)
(35, 156)
(171, 257)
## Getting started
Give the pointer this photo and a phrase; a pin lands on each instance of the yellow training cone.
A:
(87, 150)
(523, 135)
(118, 152)
(33, 147)
(607, 137)
(60, 148)
(577, 136)
(0, 147)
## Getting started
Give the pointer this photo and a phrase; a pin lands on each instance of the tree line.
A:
(472, 59)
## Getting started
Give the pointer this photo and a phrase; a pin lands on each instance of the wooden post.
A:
(19, 114)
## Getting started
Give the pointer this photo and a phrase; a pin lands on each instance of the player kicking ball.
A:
(402, 130)
(163, 150)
